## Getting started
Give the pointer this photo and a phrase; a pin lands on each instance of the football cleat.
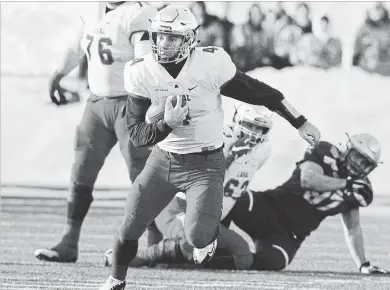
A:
(113, 284)
(57, 254)
(203, 255)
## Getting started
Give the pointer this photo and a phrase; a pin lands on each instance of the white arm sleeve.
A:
(73, 54)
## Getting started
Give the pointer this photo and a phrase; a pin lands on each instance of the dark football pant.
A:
(101, 127)
(275, 245)
(199, 175)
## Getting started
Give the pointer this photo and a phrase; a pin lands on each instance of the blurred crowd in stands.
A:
(274, 38)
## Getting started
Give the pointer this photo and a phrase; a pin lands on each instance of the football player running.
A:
(117, 37)
(246, 149)
(328, 181)
(189, 155)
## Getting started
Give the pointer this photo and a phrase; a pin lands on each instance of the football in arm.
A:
(157, 109)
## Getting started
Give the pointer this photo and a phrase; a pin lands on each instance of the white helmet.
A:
(249, 118)
(176, 20)
(361, 154)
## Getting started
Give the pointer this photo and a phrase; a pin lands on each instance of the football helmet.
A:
(253, 121)
(360, 154)
(174, 20)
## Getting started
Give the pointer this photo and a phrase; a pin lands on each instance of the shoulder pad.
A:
(135, 61)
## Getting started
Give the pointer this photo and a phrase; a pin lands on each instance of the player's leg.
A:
(232, 252)
(204, 192)
(135, 158)
(274, 245)
(174, 248)
(150, 193)
(274, 252)
(93, 142)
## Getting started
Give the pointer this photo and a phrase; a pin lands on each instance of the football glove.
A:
(361, 190)
(367, 268)
(59, 95)
(241, 147)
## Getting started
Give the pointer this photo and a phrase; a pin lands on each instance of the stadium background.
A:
(37, 137)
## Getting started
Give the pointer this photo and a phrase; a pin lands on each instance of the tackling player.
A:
(328, 181)
(246, 149)
(116, 38)
(189, 155)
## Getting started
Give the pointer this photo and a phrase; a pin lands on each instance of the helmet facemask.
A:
(358, 165)
(254, 122)
(175, 55)
(361, 155)
(255, 132)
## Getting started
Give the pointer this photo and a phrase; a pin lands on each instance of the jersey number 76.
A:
(105, 54)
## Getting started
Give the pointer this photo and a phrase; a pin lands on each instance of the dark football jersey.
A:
(302, 209)
(298, 210)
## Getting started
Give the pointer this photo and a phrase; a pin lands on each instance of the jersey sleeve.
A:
(140, 21)
(326, 155)
(133, 79)
(224, 67)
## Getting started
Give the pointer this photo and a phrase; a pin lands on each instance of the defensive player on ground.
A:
(189, 155)
(328, 181)
(246, 149)
(109, 43)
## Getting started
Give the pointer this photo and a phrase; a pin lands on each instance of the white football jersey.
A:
(200, 80)
(241, 171)
(106, 42)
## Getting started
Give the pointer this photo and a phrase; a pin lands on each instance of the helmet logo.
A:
(165, 28)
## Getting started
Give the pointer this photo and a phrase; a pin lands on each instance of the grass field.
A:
(322, 263)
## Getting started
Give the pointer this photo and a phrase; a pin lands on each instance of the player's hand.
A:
(359, 188)
(367, 268)
(174, 116)
(354, 185)
(310, 133)
(241, 147)
(54, 87)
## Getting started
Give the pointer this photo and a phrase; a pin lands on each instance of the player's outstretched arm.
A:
(249, 90)
(72, 58)
(354, 238)
(143, 134)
